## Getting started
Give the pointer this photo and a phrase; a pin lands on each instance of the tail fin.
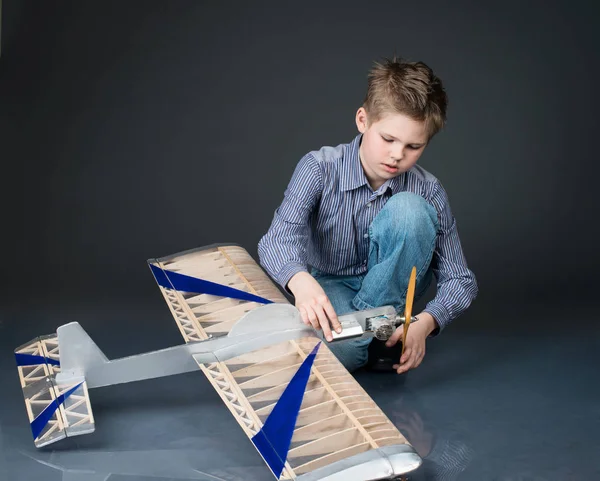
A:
(77, 350)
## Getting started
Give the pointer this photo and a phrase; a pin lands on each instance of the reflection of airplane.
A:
(159, 463)
(304, 412)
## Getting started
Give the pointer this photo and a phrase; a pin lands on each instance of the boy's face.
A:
(390, 146)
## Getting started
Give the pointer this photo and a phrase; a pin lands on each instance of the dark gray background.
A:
(130, 130)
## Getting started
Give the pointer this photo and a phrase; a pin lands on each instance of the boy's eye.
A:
(387, 140)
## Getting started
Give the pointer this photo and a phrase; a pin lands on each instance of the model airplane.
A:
(304, 412)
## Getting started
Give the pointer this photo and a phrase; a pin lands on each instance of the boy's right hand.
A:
(313, 304)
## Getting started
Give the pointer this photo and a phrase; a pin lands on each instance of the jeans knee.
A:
(408, 213)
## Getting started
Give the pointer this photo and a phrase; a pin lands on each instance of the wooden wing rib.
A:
(337, 418)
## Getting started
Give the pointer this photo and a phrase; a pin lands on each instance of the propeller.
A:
(410, 296)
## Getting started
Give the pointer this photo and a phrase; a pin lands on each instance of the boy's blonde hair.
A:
(409, 88)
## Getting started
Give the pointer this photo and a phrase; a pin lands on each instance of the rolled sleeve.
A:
(282, 251)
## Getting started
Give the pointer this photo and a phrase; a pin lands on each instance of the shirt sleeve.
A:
(282, 251)
(456, 283)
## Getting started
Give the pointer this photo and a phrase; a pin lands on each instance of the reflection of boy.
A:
(363, 213)
(444, 458)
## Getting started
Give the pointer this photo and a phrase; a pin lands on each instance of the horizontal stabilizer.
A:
(55, 410)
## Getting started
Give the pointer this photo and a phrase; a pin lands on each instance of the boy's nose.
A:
(398, 154)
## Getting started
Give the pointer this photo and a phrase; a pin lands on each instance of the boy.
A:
(362, 214)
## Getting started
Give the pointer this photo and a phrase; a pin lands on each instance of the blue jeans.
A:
(401, 236)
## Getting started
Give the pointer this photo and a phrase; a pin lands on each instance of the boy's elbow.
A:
(267, 253)
(261, 249)
(474, 287)
(470, 294)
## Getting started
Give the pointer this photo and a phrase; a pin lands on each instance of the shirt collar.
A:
(352, 174)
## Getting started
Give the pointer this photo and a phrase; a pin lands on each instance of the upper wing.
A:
(335, 419)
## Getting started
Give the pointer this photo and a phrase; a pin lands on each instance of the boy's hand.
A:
(414, 349)
(313, 304)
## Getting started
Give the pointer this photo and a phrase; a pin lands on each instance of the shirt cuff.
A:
(287, 272)
(440, 314)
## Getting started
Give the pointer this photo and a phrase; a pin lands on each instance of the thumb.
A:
(394, 338)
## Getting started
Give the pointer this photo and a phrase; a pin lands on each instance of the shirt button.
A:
(366, 236)
(369, 204)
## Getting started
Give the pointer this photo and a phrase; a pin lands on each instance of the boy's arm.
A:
(282, 250)
(456, 288)
(456, 283)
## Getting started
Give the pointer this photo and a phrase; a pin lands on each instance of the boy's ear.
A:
(362, 121)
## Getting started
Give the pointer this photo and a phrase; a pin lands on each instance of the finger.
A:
(333, 318)
(413, 359)
(304, 315)
(409, 364)
(324, 322)
(405, 367)
(419, 359)
(395, 337)
(312, 317)
(403, 360)
(408, 351)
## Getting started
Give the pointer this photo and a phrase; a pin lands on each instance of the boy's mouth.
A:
(390, 168)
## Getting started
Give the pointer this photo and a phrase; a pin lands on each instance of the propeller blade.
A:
(410, 296)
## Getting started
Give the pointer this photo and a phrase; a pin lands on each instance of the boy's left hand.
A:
(414, 350)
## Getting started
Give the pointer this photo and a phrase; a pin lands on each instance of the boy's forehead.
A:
(402, 127)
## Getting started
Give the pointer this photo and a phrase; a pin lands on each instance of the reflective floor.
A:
(487, 404)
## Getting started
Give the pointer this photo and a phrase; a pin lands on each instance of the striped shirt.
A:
(324, 218)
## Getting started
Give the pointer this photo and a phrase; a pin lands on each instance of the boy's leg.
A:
(341, 290)
(402, 235)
